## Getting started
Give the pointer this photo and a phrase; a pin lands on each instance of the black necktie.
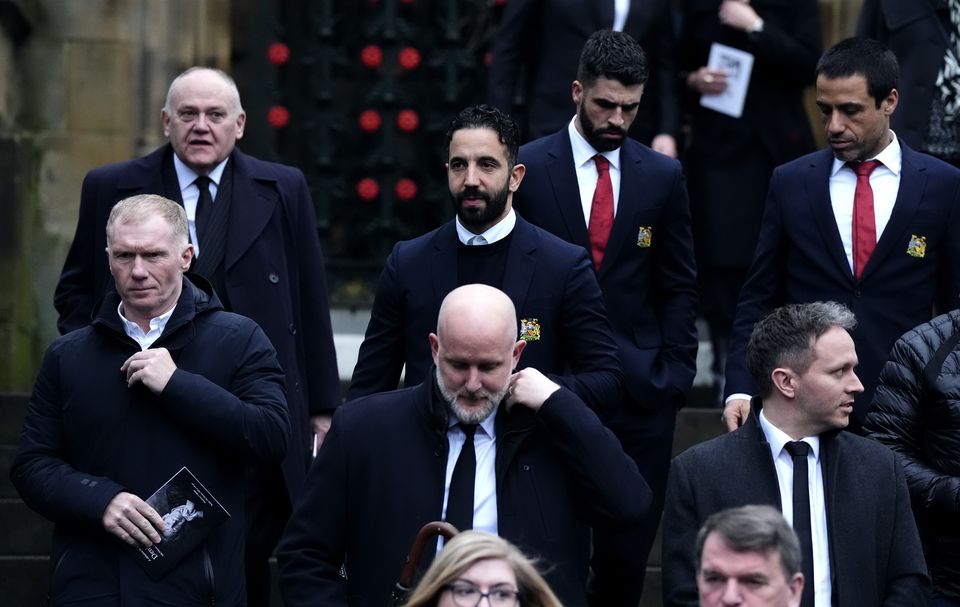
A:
(801, 514)
(204, 208)
(460, 502)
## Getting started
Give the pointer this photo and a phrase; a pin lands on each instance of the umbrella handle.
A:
(426, 533)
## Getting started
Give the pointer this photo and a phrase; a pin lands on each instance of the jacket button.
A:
(857, 293)
(274, 277)
(293, 329)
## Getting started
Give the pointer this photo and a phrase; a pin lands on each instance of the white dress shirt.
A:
(485, 483)
(134, 332)
(190, 193)
(497, 231)
(783, 461)
(885, 183)
(587, 173)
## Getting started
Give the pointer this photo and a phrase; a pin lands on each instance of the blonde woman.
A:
(474, 566)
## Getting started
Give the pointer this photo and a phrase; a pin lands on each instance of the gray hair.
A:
(784, 338)
(237, 107)
(759, 529)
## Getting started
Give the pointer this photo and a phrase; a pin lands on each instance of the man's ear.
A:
(434, 347)
(785, 381)
(517, 351)
(516, 176)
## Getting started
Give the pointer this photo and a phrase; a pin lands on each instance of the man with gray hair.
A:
(254, 237)
(845, 495)
(162, 379)
(748, 556)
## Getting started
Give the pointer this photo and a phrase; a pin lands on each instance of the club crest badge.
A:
(645, 237)
(530, 329)
(917, 247)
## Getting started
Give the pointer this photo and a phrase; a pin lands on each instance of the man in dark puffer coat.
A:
(916, 412)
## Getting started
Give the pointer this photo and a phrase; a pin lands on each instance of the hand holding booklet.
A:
(737, 64)
(190, 512)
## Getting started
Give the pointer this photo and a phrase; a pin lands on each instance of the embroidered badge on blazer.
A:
(530, 329)
(917, 247)
(645, 237)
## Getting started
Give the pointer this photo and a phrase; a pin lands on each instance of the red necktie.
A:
(864, 221)
(601, 211)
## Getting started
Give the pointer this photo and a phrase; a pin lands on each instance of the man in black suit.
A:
(540, 41)
(253, 227)
(551, 282)
(540, 467)
(845, 495)
(645, 269)
(886, 243)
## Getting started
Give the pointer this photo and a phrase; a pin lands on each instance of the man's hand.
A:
(735, 413)
(665, 144)
(152, 368)
(321, 425)
(530, 388)
(132, 520)
(738, 14)
(708, 81)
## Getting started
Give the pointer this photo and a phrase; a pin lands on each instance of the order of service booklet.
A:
(190, 512)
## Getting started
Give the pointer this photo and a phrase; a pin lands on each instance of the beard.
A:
(471, 415)
(479, 218)
(593, 135)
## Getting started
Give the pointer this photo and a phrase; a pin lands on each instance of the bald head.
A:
(483, 311)
(475, 350)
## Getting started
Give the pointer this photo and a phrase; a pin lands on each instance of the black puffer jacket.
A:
(920, 420)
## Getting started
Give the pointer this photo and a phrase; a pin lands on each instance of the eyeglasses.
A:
(467, 595)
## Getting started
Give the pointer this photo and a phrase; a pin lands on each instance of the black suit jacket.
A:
(379, 477)
(273, 269)
(649, 289)
(875, 553)
(799, 258)
(551, 284)
(545, 37)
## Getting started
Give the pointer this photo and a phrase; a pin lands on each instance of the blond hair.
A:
(470, 547)
(143, 206)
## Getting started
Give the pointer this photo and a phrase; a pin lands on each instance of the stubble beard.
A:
(471, 415)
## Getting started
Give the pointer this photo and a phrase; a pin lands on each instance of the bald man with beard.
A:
(544, 468)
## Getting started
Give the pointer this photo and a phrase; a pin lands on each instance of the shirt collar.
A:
(891, 157)
(497, 231)
(583, 152)
(488, 425)
(186, 176)
(157, 323)
(778, 438)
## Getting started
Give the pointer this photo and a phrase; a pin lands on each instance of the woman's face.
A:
(493, 577)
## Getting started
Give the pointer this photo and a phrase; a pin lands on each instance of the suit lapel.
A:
(521, 263)
(821, 207)
(147, 176)
(913, 179)
(829, 466)
(255, 199)
(443, 266)
(625, 220)
(566, 190)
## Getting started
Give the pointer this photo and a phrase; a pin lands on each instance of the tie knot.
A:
(603, 164)
(469, 430)
(797, 448)
(863, 169)
(202, 181)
